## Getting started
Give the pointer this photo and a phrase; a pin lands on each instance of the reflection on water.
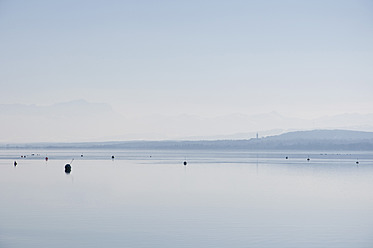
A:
(220, 199)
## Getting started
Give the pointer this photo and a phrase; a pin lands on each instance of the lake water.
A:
(220, 199)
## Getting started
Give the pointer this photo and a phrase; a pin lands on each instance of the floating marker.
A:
(15, 163)
(112, 157)
(67, 168)
(185, 163)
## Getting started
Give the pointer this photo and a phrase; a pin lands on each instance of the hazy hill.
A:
(319, 140)
(327, 135)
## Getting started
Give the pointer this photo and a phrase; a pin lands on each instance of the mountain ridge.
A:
(80, 120)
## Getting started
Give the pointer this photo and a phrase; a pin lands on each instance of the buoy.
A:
(286, 157)
(185, 163)
(15, 163)
(81, 155)
(308, 159)
(46, 158)
(112, 157)
(67, 168)
(357, 162)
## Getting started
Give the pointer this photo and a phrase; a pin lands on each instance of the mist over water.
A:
(220, 199)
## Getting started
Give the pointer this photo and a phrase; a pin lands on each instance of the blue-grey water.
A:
(220, 199)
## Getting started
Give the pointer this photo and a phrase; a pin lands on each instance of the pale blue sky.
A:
(299, 58)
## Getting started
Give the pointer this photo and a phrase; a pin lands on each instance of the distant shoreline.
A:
(302, 140)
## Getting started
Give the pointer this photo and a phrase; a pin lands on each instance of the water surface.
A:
(220, 199)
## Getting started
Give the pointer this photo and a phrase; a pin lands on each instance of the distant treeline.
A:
(253, 144)
(301, 140)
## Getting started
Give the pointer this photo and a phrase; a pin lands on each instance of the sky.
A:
(207, 58)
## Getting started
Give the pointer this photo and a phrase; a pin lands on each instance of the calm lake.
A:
(219, 199)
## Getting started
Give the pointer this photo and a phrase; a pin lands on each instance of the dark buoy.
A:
(308, 159)
(15, 163)
(81, 155)
(112, 157)
(67, 168)
(185, 163)
(46, 158)
(286, 157)
(357, 162)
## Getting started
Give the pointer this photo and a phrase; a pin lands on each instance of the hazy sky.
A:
(300, 58)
